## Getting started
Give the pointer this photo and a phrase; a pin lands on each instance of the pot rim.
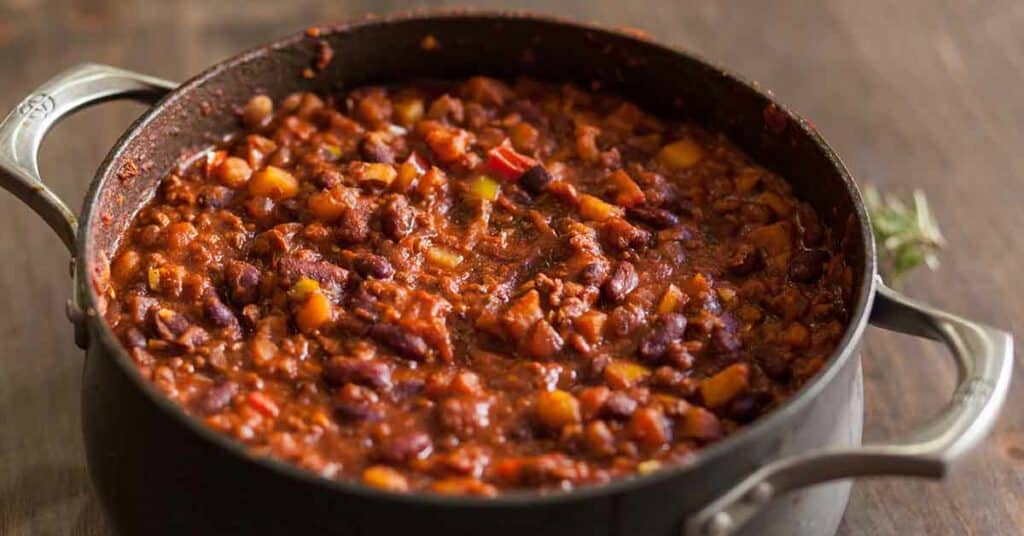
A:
(101, 334)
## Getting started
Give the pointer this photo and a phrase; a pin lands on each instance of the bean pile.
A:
(475, 286)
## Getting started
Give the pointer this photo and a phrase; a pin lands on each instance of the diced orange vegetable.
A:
(484, 187)
(443, 257)
(303, 288)
(273, 182)
(523, 314)
(327, 206)
(408, 172)
(796, 335)
(648, 466)
(153, 278)
(697, 286)
(314, 313)
(386, 478)
(591, 325)
(377, 172)
(649, 427)
(680, 154)
(593, 208)
(699, 423)
(408, 111)
(524, 136)
(557, 408)
(779, 206)
(463, 485)
(671, 300)
(747, 179)
(233, 172)
(627, 193)
(622, 374)
(592, 399)
(774, 238)
(543, 341)
(724, 386)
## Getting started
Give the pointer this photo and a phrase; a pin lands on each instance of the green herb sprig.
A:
(907, 235)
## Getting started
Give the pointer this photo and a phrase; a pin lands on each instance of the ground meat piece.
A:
(463, 416)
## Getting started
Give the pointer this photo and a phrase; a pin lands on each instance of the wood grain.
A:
(912, 93)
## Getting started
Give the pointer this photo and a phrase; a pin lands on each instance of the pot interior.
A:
(666, 82)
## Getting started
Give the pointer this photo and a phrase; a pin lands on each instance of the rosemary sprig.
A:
(907, 236)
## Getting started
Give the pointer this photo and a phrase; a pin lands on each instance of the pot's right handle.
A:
(22, 132)
(984, 358)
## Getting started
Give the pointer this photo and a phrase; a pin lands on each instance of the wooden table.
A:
(910, 93)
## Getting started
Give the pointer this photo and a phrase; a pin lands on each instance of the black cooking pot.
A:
(159, 472)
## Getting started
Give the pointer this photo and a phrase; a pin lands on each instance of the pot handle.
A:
(984, 359)
(23, 130)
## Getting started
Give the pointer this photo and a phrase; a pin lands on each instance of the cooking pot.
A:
(157, 471)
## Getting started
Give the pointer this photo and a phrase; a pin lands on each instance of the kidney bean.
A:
(217, 313)
(404, 447)
(243, 280)
(621, 282)
(808, 265)
(401, 340)
(619, 406)
(217, 398)
(374, 148)
(745, 260)
(669, 327)
(535, 180)
(658, 218)
(748, 406)
(397, 218)
(594, 273)
(340, 370)
(375, 266)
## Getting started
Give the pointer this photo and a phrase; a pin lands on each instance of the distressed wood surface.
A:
(916, 93)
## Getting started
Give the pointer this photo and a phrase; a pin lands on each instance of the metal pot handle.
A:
(984, 359)
(23, 130)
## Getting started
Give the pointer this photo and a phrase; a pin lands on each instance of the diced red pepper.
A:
(263, 404)
(506, 162)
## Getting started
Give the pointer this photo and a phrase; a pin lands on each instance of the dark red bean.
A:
(374, 148)
(216, 398)
(669, 328)
(725, 340)
(658, 218)
(217, 313)
(397, 218)
(594, 273)
(134, 338)
(168, 324)
(243, 281)
(401, 448)
(622, 281)
(748, 406)
(401, 340)
(808, 265)
(774, 365)
(340, 370)
(358, 411)
(619, 406)
(374, 266)
(745, 260)
(535, 180)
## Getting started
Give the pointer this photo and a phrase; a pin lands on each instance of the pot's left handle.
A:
(24, 128)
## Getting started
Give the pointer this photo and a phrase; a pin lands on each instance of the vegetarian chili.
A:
(476, 286)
